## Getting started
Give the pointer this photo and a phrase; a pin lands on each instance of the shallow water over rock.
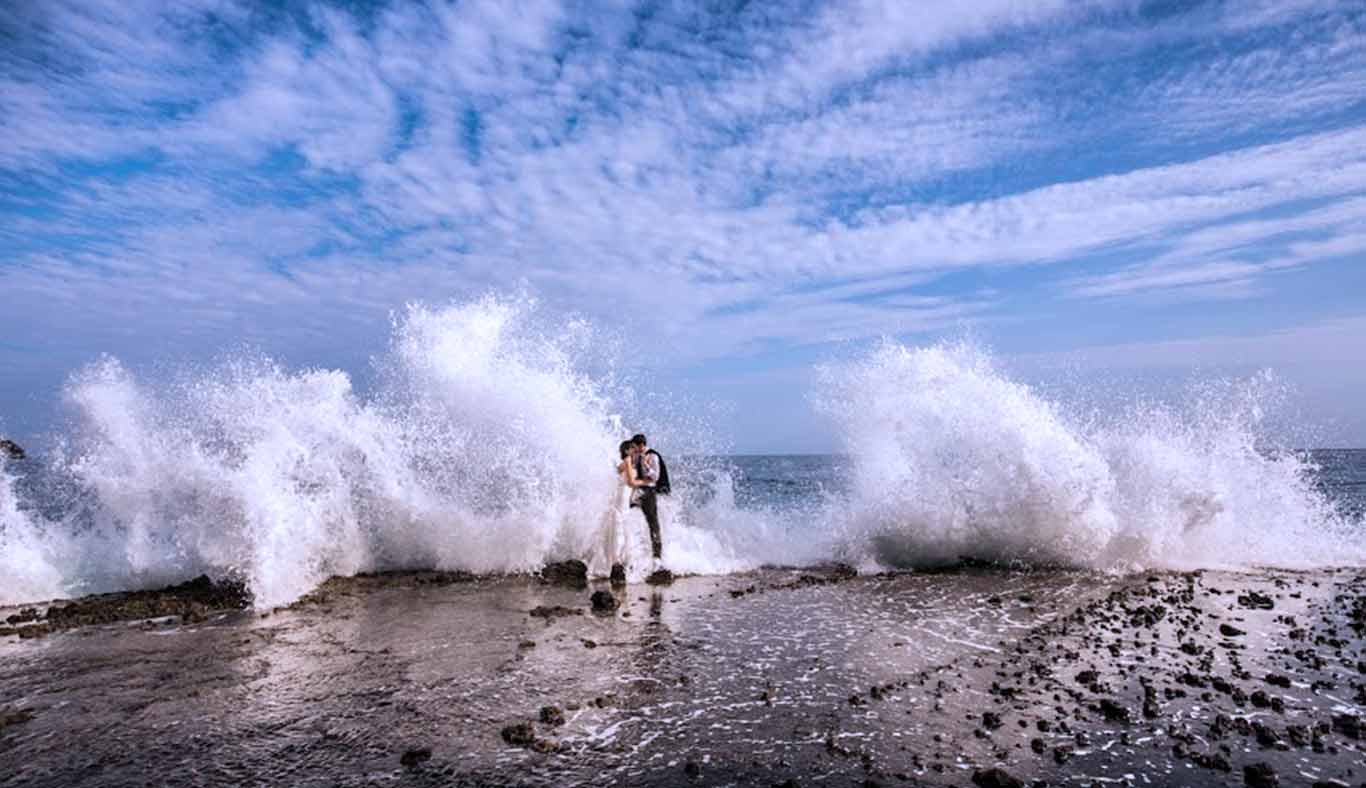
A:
(817, 676)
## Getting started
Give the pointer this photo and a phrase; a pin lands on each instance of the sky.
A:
(1125, 191)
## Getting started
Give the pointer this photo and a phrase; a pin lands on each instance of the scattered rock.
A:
(413, 757)
(1230, 631)
(604, 602)
(991, 720)
(1278, 681)
(572, 573)
(1260, 775)
(552, 612)
(1114, 712)
(692, 769)
(552, 715)
(996, 778)
(618, 576)
(660, 577)
(519, 735)
(1348, 725)
(1256, 600)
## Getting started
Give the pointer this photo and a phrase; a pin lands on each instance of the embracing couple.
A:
(643, 477)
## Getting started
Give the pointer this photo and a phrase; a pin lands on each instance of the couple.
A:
(643, 478)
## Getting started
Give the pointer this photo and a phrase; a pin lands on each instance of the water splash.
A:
(951, 458)
(486, 447)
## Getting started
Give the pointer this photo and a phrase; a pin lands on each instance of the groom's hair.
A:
(638, 439)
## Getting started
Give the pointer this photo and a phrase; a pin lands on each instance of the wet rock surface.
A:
(9, 450)
(190, 602)
(570, 574)
(977, 676)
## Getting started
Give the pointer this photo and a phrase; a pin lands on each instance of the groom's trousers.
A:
(649, 506)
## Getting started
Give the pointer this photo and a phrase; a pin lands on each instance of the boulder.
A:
(603, 602)
(572, 573)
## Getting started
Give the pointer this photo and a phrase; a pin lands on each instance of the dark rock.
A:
(189, 601)
(618, 576)
(552, 612)
(552, 715)
(1062, 755)
(24, 616)
(519, 735)
(413, 757)
(1298, 735)
(1260, 699)
(1266, 735)
(1256, 600)
(1260, 775)
(1348, 725)
(604, 602)
(1114, 712)
(11, 450)
(1087, 677)
(1037, 745)
(996, 778)
(660, 577)
(572, 573)
(1229, 631)
(16, 717)
(991, 720)
(1278, 681)
(692, 769)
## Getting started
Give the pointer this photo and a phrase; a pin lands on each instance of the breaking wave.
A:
(485, 447)
(952, 459)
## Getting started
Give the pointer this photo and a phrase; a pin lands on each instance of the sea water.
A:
(488, 443)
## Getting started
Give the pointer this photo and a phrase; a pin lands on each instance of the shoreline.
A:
(768, 676)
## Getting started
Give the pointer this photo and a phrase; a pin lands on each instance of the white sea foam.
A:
(951, 458)
(485, 447)
(29, 553)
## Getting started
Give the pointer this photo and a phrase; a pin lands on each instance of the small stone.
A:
(1260, 775)
(552, 715)
(1278, 680)
(1348, 725)
(991, 720)
(1229, 631)
(996, 778)
(692, 769)
(572, 573)
(660, 577)
(519, 735)
(604, 602)
(414, 756)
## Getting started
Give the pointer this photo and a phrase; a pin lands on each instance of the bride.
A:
(615, 544)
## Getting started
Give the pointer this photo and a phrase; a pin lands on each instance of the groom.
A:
(650, 468)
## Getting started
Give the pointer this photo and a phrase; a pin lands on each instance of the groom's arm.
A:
(649, 468)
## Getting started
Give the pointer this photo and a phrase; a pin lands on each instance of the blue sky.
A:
(1138, 190)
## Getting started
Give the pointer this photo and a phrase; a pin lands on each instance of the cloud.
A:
(181, 178)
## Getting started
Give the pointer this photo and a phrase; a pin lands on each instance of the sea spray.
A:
(953, 459)
(485, 447)
(28, 552)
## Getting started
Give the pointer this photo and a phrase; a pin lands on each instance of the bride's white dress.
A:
(613, 544)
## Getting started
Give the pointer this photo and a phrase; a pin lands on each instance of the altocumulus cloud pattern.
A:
(1123, 182)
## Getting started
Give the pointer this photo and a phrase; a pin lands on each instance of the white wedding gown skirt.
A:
(622, 537)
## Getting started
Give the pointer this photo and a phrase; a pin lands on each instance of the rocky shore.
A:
(978, 676)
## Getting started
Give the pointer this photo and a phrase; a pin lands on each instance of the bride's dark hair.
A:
(625, 448)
